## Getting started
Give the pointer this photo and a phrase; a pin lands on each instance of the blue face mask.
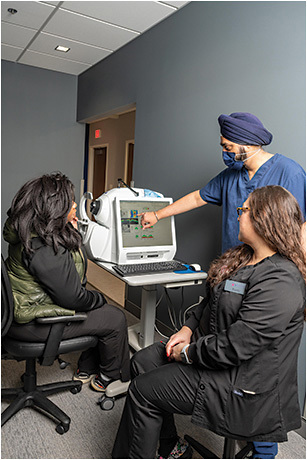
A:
(230, 161)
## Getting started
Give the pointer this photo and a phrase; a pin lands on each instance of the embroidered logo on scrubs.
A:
(235, 286)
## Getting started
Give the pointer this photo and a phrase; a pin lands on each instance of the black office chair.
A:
(46, 353)
(228, 449)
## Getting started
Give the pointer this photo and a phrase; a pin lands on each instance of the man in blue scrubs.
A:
(249, 166)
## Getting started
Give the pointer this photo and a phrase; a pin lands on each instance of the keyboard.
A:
(148, 268)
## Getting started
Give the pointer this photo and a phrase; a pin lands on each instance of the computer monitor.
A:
(137, 245)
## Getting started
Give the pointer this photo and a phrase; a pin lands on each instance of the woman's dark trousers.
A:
(158, 390)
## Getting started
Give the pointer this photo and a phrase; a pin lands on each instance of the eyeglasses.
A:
(241, 209)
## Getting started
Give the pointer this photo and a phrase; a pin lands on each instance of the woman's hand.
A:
(177, 342)
(175, 353)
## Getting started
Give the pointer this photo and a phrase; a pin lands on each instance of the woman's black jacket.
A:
(246, 338)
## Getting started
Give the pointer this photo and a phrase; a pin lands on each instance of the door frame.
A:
(90, 170)
(126, 158)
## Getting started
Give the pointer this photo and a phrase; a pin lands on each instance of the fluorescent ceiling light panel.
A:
(64, 49)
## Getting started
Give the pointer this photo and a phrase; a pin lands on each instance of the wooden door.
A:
(99, 173)
(129, 177)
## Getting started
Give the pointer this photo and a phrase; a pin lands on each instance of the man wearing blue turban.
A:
(244, 129)
(249, 167)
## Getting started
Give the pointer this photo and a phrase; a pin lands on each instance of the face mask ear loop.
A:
(251, 155)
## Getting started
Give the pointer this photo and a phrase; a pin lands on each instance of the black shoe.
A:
(83, 376)
(99, 384)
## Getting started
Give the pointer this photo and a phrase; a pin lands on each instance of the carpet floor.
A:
(31, 435)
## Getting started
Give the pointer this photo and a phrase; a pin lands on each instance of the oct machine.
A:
(117, 236)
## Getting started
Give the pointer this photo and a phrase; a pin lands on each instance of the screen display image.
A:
(132, 232)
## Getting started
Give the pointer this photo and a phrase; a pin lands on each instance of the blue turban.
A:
(244, 128)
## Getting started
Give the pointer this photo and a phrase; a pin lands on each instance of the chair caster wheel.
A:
(61, 429)
(76, 390)
(106, 403)
(63, 364)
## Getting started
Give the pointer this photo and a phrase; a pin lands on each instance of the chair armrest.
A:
(57, 325)
(62, 319)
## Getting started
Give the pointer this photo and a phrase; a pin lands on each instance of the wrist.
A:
(186, 333)
(187, 330)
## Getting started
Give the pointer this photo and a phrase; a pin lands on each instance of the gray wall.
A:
(208, 58)
(39, 129)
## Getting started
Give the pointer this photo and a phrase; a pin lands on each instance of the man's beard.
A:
(242, 155)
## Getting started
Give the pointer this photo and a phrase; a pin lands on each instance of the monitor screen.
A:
(132, 233)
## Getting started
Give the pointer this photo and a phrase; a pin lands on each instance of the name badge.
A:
(235, 286)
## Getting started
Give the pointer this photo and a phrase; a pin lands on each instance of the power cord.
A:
(172, 313)
(159, 332)
(156, 327)
(181, 313)
(191, 306)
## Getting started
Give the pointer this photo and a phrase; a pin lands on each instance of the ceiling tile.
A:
(51, 3)
(135, 15)
(176, 4)
(29, 14)
(46, 43)
(91, 29)
(10, 53)
(16, 35)
(93, 32)
(52, 63)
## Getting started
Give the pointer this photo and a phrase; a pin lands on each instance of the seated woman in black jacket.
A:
(47, 269)
(233, 365)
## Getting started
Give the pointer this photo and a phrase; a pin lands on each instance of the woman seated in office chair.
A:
(47, 268)
(233, 365)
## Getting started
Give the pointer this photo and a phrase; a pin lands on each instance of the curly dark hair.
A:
(40, 208)
(277, 218)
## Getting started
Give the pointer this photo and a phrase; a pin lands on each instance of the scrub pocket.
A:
(252, 414)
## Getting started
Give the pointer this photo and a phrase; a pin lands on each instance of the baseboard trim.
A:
(133, 308)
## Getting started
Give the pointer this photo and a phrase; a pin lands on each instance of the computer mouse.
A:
(195, 267)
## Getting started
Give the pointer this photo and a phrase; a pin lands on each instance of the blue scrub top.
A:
(231, 188)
